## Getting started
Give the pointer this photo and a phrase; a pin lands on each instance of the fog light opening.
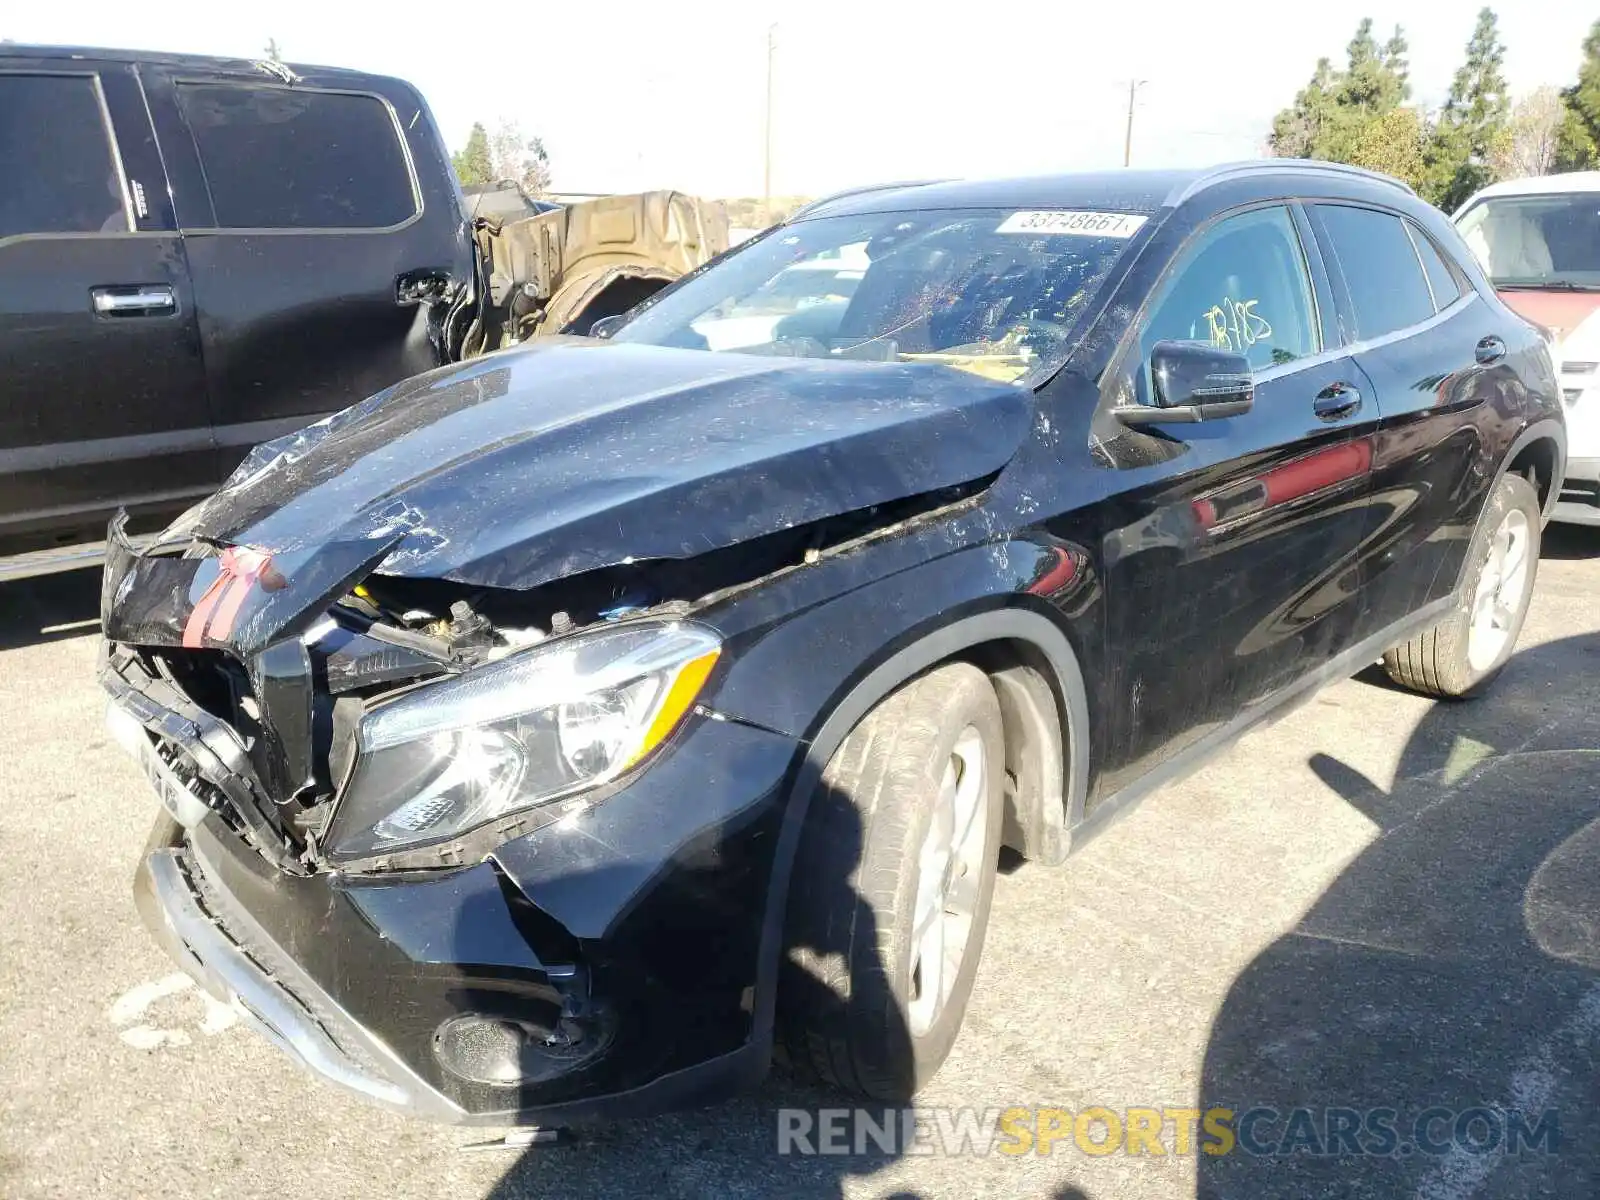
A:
(507, 1052)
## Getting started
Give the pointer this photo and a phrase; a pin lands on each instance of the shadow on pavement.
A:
(49, 607)
(1454, 965)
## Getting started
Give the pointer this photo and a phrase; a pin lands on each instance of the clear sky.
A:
(672, 95)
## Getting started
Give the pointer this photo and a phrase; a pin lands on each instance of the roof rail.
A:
(1262, 165)
(865, 190)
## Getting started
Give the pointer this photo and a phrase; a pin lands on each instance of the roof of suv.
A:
(199, 62)
(1121, 190)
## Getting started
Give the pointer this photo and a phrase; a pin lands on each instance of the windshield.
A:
(993, 291)
(1550, 241)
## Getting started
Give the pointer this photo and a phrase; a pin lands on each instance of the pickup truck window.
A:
(294, 158)
(55, 158)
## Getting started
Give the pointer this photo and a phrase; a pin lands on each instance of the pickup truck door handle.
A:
(134, 300)
(1490, 351)
(1336, 402)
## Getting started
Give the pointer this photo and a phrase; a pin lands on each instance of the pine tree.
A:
(472, 162)
(1394, 61)
(1297, 130)
(1578, 144)
(1368, 87)
(1331, 115)
(1363, 48)
(1473, 121)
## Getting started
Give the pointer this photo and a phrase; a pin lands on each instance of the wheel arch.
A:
(1022, 651)
(1541, 448)
(603, 291)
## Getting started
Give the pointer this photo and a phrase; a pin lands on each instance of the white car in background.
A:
(1539, 242)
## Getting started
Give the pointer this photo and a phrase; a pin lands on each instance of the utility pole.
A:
(766, 171)
(1127, 142)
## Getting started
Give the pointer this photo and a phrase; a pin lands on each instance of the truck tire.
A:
(1460, 656)
(892, 887)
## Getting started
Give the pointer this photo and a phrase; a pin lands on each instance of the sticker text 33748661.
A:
(1080, 224)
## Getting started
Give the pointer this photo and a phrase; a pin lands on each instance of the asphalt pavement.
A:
(1379, 903)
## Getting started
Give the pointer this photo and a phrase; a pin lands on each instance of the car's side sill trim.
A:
(1191, 758)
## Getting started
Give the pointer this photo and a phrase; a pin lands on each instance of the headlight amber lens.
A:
(533, 727)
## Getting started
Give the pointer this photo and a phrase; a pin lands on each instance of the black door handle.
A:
(1336, 402)
(1490, 351)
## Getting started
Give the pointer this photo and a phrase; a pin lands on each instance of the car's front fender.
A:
(817, 673)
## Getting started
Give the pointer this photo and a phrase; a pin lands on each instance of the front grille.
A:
(1578, 368)
(183, 767)
(277, 723)
(217, 683)
(1570, 395)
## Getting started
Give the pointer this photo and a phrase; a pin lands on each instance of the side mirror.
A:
(1193, 382)
(606, 326)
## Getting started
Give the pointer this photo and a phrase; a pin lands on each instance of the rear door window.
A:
(1446, 291)
(290, 158)
(1381, 270)
(57, 172)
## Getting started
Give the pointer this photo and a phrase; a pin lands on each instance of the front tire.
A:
(892, 888)
(1460, 656)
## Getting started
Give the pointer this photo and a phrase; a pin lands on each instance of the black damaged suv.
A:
(549, 735)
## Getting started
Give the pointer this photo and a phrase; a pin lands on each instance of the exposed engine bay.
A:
(296, 709)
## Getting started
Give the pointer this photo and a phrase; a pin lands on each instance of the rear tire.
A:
(892, 888)
(1460, 656)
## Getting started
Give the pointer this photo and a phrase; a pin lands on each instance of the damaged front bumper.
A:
(605, 965)
(279, 1002)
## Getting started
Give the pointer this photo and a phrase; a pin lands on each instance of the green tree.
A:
(1330, 115)
(472, 162)
(1394, 59)
(1392, 143)
(1473, 121)
(1297, 130)
(1578, 142)
(1375, 81)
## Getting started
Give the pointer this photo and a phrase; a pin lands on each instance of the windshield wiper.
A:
(1544, 285)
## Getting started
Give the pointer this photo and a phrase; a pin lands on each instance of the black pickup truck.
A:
(200, 254)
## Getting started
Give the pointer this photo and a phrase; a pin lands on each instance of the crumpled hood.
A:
(522, 467)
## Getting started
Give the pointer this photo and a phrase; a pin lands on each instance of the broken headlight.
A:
(532, 727)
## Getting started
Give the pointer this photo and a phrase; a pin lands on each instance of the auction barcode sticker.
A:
(1082, 224)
